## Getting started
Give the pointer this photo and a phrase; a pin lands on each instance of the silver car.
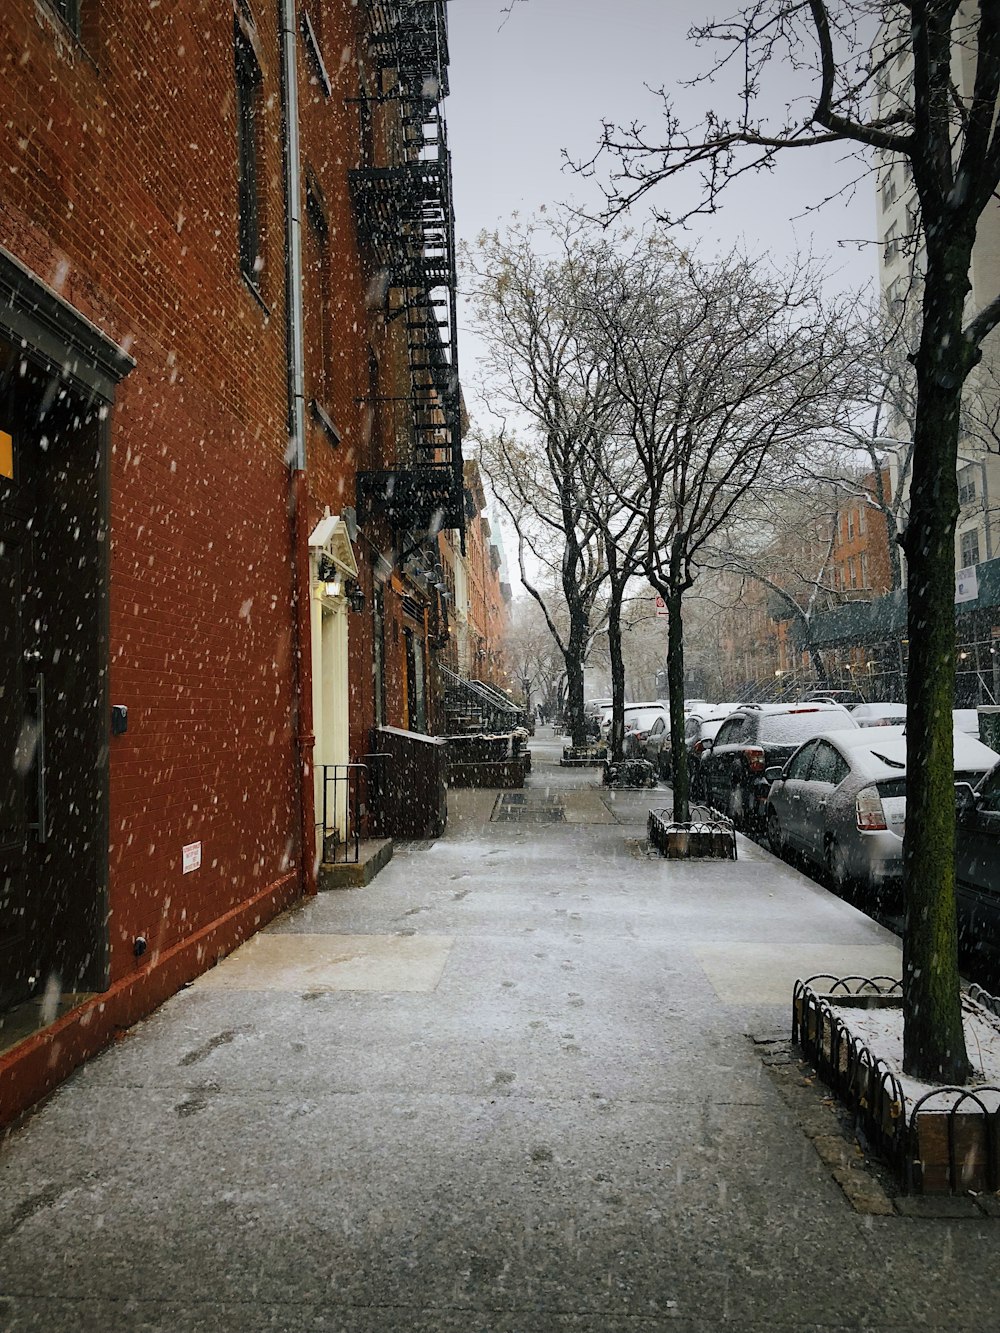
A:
(840, 803)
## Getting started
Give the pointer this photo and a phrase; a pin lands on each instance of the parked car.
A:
(840, 803)
(754, 738)
(630, 710)
(593, 711)
(642, 725)
(879, 715)
(977, 866)
(700, 727)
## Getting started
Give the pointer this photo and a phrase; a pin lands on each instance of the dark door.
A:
(20, 706)
(53, 840)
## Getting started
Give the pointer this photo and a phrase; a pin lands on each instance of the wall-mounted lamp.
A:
(356, 597)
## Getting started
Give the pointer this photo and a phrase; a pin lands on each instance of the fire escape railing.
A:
(407, 222)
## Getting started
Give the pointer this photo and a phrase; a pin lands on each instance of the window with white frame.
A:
(967, 484)
(969, 548)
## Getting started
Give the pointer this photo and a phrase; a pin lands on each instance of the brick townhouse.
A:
(229, 436)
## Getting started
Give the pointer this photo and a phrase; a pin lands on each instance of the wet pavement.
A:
(509, 1087)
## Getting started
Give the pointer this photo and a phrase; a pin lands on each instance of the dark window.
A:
(311, 38)
(799, 765)
(970, 548)
(69, 12)
(989, 792)
(729, 732)
(828, 765)
(249, 100)
(966, 485)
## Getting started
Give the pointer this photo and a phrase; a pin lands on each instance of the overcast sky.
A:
(527, 85)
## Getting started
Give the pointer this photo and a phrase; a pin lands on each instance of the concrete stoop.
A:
(373, 854)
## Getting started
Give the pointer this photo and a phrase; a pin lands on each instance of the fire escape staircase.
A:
(407, 220)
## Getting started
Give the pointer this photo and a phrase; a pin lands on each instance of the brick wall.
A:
(120, 190)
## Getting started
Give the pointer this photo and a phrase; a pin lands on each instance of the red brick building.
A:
(228, 430)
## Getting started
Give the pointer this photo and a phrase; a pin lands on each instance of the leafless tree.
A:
(936, 109)
(722, 369)
(549, 383)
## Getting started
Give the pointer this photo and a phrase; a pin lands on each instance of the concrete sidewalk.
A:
(506, 1088)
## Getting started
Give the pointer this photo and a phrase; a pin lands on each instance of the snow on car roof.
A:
(878, 710)
(881, 752)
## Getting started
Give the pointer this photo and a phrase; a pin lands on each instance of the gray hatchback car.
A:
(840, 803)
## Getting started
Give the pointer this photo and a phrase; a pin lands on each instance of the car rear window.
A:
(891, 787)
(642, 719)
(794, 728)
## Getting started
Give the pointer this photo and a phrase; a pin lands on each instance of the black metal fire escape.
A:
(407, 222)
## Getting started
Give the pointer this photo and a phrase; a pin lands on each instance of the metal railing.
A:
(477, 703)
(350, 793)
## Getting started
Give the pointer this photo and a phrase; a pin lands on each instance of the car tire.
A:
(775, 837)
(836, 868)
(737, 804)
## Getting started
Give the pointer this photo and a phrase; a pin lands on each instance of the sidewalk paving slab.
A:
(563, 1128)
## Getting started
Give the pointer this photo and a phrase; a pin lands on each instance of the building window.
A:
(312, 43)
(889, 191)
(891, 243)
(864, 571)
(852, 566)
(967, 484)
(861, 520)
(850, 525)
(249, 104)
(969, 547)
(69, 12)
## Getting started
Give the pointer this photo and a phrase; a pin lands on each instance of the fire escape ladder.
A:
(407, 218)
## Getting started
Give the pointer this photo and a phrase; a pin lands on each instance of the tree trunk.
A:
(933, 1036)
(675, 690)
(574, 655)
(617, 739)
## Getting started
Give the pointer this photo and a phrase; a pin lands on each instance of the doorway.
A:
(53, 692)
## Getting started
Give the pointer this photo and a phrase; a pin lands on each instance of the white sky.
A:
(527, 85)
(541, 79)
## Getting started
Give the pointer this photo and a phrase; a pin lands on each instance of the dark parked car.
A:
(756, 737)
(701, 725)
(977, 865)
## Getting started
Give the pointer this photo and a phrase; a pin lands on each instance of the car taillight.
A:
(641, 735)
(698, 747)
(871, 816)
(755, 760)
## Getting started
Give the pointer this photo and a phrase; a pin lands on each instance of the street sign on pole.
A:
(660, 604)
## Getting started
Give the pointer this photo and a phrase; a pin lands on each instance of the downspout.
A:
(298, 481)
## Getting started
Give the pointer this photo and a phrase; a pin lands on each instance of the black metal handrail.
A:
(341, 807)
(350, 793)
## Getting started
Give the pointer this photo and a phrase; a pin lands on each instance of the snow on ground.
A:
(881, 1030)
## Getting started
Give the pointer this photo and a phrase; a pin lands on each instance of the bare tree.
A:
(542, 368)
(942, 120)
(786, 544)
(532, 651)
(723, 369)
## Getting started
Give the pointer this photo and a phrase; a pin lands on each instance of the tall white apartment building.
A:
(977, 537)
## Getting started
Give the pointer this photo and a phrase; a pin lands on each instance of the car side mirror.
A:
(773, 774)
(965, 798)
